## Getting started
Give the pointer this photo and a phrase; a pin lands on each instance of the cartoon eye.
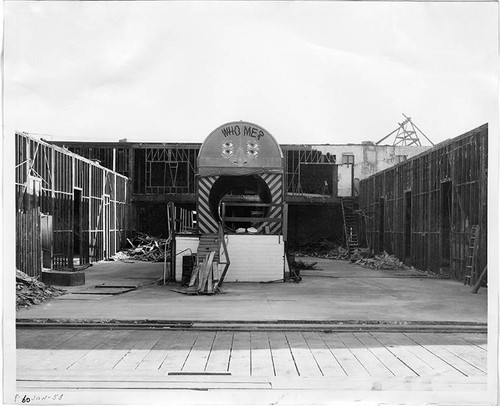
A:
(227, 145)
(252, 153)
(252, 145)
(227, 152)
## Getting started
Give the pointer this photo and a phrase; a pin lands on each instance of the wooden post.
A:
(476, 287)
(285, 222)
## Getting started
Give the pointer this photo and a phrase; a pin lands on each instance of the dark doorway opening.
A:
(77, 223)
(407, 237)
(239, 189)
(446, 201)
(381, 207)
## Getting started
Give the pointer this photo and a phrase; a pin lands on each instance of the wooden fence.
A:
(29, 242)
(423, 209)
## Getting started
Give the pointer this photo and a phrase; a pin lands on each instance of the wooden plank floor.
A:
(257, 354)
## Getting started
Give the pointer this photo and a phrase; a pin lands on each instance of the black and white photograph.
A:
(250, 203)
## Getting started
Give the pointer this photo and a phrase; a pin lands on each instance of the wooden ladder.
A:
(470, 268)
(350, 225)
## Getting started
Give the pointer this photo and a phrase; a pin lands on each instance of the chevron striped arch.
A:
(206, 223)
(274, 182)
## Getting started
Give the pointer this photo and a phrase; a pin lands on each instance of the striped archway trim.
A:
(275, 183)
(206, 223)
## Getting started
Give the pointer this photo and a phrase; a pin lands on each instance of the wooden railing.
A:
(251, 219)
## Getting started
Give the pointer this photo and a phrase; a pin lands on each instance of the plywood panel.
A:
(255, 258)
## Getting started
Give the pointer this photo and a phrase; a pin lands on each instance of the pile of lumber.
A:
(382, 261)
(30, 291)
(205, 277)
(144, 248)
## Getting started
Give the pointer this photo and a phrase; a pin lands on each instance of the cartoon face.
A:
(252, 149)
(227, 149)
(242, 154)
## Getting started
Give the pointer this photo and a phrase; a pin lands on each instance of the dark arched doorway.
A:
(240, 191)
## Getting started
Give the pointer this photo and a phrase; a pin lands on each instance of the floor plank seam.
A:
(176, 339)
(151, 349)
(459, 356)
(251, 355)
(230, 352)
(375, 355)
(291, 353)
(190, 350)
(210, 351)
(466, 361)
(353, 354)
(93, 348)
(333, 355)
(312, 354)
(395, 355)
(271, 353)
(436, 355)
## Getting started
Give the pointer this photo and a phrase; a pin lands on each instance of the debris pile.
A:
(30, 291)
(382, 261)
(323, 249)
(144, 248)
(360, 253)
(300, 265)
(338, 253)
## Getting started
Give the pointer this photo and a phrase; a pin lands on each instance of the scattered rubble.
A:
(144, 248)
(323, 249)
(382, 261)
(75, 268)
(300, 265)
(360, 253)
(30, 291)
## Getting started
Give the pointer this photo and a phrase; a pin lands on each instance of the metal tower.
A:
(406, 134)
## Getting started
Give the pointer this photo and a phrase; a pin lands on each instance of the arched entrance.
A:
(240, 176)
(230, 197)
(240, 187)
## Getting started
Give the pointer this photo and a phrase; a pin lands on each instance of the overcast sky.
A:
(325, 72)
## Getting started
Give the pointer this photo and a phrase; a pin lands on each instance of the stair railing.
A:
(227, 262)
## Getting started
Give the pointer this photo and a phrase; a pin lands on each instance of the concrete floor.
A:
(337, 290)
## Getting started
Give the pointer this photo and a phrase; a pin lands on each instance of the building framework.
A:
(427, 209)
(69, 209)
(167, 172)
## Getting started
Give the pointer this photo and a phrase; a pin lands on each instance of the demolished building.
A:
(431, 210)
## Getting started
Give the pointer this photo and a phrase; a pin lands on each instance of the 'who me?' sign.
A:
(243, 130)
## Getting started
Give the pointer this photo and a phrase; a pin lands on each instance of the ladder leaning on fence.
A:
(350, 225)
(470, 268)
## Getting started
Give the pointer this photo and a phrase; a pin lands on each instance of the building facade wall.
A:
(160, 173)
(423, 209)
(370, 158)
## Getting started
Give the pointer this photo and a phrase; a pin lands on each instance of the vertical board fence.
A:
(86, 202)
(423, 210)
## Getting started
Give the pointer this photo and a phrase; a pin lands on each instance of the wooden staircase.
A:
(208, 242)
(350, 225)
